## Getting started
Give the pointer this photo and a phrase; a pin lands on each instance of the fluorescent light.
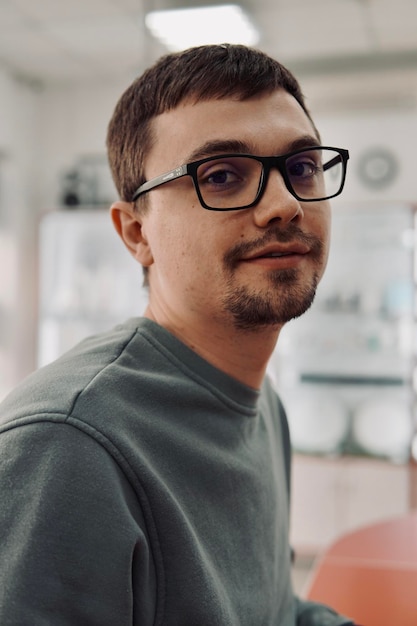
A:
(183, 28)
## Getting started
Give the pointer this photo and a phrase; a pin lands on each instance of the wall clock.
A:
(377, 168)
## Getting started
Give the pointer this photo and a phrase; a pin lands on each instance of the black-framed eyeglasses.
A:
(229, 182)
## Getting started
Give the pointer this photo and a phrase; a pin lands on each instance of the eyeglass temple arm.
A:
(160, 180)
(337, 159)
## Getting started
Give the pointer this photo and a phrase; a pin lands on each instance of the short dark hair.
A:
(200, 73)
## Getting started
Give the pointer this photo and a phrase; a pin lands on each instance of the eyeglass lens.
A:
(232, 182)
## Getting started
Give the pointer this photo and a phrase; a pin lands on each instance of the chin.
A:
(256, 311)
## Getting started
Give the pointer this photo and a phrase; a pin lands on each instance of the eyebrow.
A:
(234, 146)
(306, 141)
(221, 146)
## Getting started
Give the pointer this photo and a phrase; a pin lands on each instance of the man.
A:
(145, 474)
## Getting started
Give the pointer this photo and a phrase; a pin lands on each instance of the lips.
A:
(278, 250)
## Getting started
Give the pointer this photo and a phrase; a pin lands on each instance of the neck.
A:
(242, 354)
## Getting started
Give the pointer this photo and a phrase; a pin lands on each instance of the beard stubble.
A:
(289, 295)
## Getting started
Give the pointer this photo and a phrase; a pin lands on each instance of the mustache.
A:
(275, 235)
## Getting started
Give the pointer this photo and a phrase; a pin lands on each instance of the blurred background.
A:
(345, 370)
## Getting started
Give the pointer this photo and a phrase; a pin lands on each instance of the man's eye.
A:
(303, 169)
(221, 177)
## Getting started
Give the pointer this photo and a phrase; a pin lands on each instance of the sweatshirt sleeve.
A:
(72, 534)
(315, 614)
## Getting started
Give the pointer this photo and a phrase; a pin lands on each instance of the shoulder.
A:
(54, 388)
(63, 497)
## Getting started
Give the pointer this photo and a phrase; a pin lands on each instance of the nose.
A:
(277, 203)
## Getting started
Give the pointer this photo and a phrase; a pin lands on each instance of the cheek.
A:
(324, 233)
(321, 223)
(187, 239)
(327, 229)
(179, 248)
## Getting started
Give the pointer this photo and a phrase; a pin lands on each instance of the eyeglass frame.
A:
(268, 162)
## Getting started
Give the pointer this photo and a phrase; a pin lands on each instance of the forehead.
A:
(266, 124)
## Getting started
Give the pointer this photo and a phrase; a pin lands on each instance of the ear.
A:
(128, 222)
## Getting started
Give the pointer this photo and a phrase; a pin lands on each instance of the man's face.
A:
(251, 268)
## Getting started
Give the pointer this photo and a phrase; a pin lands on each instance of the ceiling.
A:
(49, 41)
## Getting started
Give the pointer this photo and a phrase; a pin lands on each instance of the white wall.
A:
(360, 132)
(19, 175)
(74, 121)
(19, 140)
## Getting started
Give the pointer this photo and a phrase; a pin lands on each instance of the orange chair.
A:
(371, 574)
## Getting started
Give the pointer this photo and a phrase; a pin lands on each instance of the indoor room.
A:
(346, 372)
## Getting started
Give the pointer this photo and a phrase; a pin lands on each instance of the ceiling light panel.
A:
(183, 28)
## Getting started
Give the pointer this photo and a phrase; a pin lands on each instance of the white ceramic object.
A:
(383, 427)
(318, 420)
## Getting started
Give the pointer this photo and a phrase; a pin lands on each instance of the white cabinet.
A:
(88, 282)
(331, 496)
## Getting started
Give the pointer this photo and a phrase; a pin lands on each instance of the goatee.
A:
(289, 295)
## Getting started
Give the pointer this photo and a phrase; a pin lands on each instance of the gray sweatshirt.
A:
(142, 486)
